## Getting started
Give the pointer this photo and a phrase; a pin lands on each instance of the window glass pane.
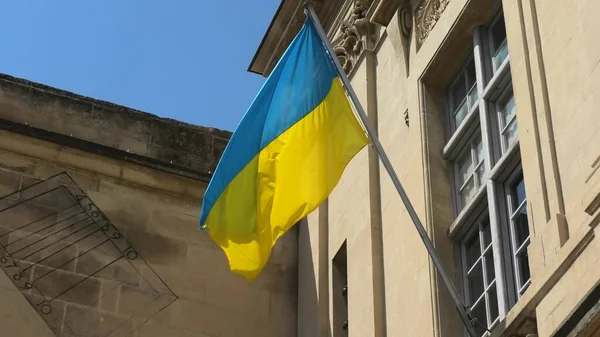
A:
(499, 45)
(460, 114)
(487, 234)
(473, 95)
(479, 149)
(500, 56)
(521, 227)
(479, 313)
(470, 73)
(508, 110)
(480, 175)
(465, 167)
(498, 33)
(468, 192)
(479, 157)
(523, 261)
(493, 301)
(473, 249)
(511, 133)
(518, 192)
(458, 92)
(508, 124)
(489, 267)
(475, 281)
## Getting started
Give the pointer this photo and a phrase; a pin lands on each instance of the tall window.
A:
(340, 292)
(489, 188)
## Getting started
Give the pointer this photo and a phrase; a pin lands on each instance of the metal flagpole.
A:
(462, 310)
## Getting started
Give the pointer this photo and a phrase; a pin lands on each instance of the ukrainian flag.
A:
(285, 157)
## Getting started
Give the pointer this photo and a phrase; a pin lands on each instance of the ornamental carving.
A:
(427, 14)
(354, 34)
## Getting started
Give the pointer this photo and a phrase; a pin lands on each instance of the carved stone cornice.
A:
(427, 14)
(354, 34)
(382, 11)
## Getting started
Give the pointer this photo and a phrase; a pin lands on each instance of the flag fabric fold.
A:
(285, 157)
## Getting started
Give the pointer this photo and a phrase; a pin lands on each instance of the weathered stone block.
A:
(12, 162)
(176, 135)
(232, 291)
(168, 154)
(121, 271)
(177, 225)
(86, 293)
(122, 123)
(134, 301)
(171, 252)
(206, 260)
(219, 145)
(201, 163)
(156, 330)
(206, 318)
(182, 283)
(9, 183)
(109, 295)
(92, 323)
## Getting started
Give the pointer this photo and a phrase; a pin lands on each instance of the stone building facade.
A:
(99, 227)
(488, 110)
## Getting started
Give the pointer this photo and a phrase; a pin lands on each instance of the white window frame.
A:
(503, 128)
(516, 175)
(465, 269)
(457, 186)
(471, 105)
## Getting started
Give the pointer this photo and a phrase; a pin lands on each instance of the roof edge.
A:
(262, 41)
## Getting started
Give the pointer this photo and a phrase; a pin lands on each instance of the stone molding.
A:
(427, 13)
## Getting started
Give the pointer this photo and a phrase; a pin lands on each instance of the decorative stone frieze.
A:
(354, 34)
(427, 14)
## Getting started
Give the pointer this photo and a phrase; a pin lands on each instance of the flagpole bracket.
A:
(306, 4)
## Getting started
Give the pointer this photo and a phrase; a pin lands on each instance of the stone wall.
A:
(555, 81)
(115, 130)
(98, 241)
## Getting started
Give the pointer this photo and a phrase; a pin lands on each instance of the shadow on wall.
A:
(308, 299)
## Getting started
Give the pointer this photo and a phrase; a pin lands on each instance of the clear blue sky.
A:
(182, 59)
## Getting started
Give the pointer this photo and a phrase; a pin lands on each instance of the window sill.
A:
(459, 137)
(467, 214)
(500, 79)
(511, 157)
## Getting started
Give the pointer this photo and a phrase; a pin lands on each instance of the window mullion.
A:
(490, 187)
(473, 149)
